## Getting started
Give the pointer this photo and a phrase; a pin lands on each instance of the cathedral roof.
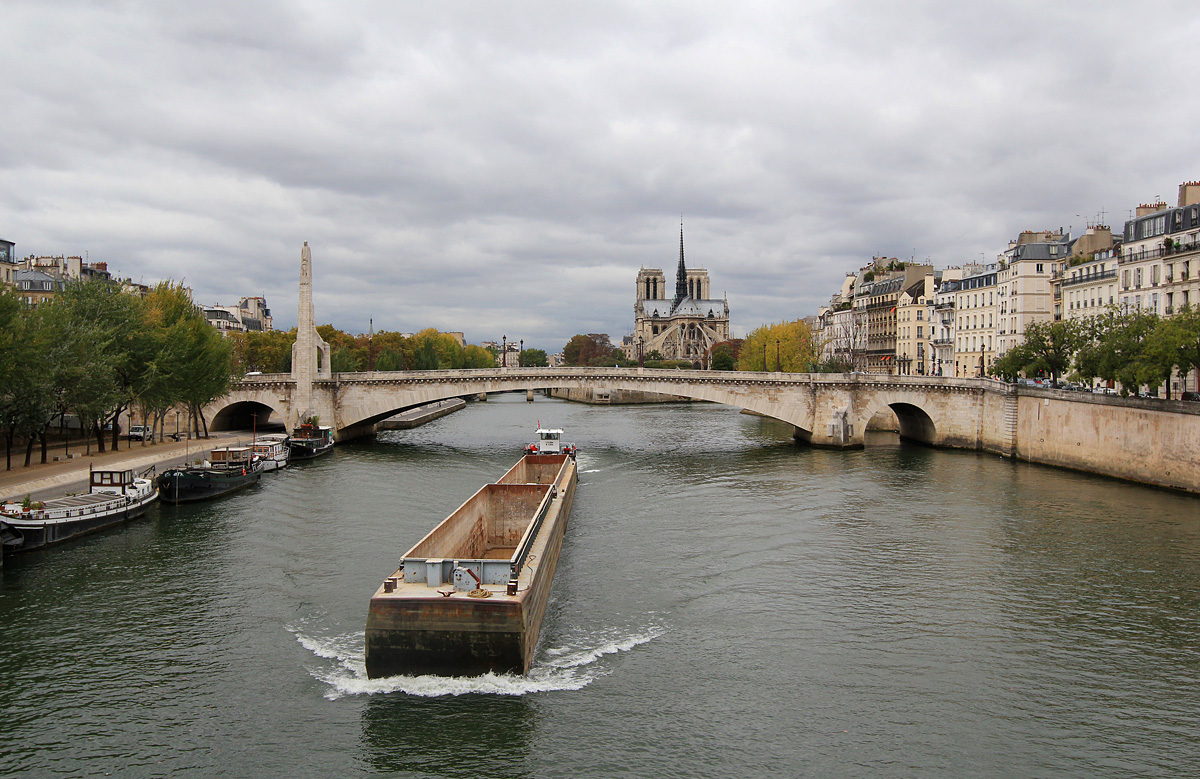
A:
(686, 307)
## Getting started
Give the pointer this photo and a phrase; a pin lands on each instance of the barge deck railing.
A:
(522, 552)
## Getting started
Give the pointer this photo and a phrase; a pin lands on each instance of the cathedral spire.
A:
(681, 290)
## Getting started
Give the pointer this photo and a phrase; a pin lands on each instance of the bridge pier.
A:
(529, 396)
(361, 430)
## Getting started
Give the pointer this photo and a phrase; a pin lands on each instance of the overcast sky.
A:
(504, 168)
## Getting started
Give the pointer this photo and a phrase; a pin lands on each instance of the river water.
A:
(726, 604)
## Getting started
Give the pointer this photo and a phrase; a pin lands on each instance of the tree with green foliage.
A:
(722, 358)
(27, 397)
(1050, 346)
(1175, 344)
(1114, 348)
(1013, 363)
(534, 358)
(591, 349)
(267, 352)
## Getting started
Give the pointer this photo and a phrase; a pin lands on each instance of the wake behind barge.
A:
(470, 596)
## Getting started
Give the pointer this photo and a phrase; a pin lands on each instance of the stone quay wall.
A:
(1151, 441)
(616, 397)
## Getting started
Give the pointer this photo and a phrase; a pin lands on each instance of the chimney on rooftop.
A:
(1189, 193)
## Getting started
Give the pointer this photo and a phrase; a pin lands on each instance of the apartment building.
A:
(942, 341)
(250, 315)
(975, 312)
(841, 329)
(914, 325)
(1025, 291)
(8, 262)
(1086, 284)
(875, 300)
(1158, 267)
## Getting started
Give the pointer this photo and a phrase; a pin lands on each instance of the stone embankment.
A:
(55, 479)
(617, 397)
(415, 417)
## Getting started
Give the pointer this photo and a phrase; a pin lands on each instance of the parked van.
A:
(139, 432)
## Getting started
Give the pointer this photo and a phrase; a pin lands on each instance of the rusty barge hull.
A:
(424, 620)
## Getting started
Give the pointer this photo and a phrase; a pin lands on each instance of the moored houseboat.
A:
(310, 440)
(113, 496)
(273, 450)
(470, 596)
(227, 469)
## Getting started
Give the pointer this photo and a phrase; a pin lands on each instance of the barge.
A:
(469, 597)
(227, 469)
(114, 496)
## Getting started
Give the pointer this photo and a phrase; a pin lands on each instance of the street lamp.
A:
(641, 357)
(504, 351)
(521, 355)
(777, 355)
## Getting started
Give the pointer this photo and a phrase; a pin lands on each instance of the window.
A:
(1039, 265)
(919, 331)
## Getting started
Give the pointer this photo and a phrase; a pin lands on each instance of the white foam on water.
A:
(571, 667)
(576, 656)
(591, 470)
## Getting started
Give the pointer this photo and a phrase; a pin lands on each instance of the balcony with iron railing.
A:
(1108, 274)
(1155, 252)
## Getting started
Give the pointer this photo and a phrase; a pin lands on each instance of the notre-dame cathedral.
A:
(684, 327)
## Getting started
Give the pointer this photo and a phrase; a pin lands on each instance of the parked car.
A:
(1192, 396)
(139, 432)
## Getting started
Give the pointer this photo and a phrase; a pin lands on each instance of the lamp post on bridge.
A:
(521, 355)
(777, 355)
(504, 351)
(641, 357)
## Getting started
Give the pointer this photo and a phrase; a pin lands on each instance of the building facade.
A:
(1025, 291)
(975, 312)
(250, 315)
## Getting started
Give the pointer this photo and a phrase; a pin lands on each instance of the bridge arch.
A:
(244, 415)
(914, 422)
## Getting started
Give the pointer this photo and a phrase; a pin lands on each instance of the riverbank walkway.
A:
(59, 478)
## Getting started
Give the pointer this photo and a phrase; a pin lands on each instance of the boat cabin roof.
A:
(100, 478)
(230, 454)
(549, 434)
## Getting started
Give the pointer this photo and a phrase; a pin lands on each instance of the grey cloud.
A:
(506, 168)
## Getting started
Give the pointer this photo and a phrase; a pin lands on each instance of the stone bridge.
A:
(830, 410)
(1146, 440)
